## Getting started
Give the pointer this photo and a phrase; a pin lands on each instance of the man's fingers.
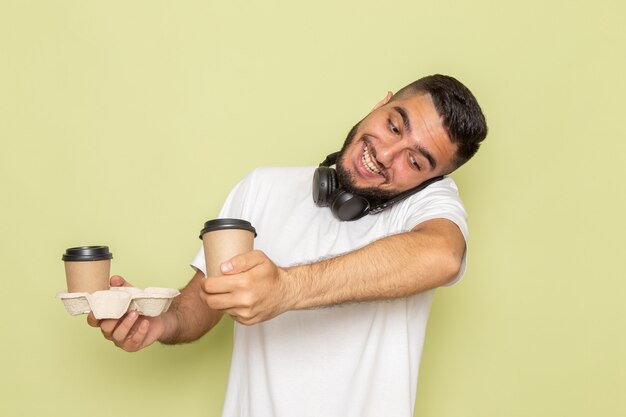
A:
(219, 285)
(107, 326)
(124, 327)
(242, 263)
(220, 302)
(118, 281)
(92, 320)
(244, 317)
(137, 335)
(128, 332)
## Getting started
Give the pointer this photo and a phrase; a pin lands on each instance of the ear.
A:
(383, 101)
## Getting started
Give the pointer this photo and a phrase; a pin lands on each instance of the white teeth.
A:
(367, 162)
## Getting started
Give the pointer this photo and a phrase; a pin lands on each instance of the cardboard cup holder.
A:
(117, 301)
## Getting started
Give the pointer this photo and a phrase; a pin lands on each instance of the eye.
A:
(393, 127)
(413, 163)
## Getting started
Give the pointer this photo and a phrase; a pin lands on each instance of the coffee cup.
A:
(87, 268)
(224, 238)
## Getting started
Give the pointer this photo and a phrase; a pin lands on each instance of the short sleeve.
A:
(440, 200)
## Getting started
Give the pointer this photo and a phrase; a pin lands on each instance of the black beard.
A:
(346, 178)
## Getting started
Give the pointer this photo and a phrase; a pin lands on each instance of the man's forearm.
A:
(254, 289)
(188, 317)
(393, 267)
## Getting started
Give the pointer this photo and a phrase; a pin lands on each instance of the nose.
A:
(387, 151)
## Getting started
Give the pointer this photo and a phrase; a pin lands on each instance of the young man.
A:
(330, 314)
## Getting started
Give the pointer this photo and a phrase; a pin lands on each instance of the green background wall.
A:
(127, 122)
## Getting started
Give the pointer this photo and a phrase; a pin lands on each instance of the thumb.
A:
(240, 263)
(228, 267)
(118, 281)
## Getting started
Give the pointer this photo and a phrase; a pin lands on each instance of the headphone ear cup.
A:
(326, 192)
(346, 206)
(324, 185)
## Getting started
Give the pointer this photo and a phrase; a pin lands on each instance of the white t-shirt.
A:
(357, 359)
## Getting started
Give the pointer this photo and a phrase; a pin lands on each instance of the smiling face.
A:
(396, 147)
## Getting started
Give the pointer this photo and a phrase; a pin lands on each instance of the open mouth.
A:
(367, 161)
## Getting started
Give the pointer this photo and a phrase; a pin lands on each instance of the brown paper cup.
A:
(224, 238)
(87, 268)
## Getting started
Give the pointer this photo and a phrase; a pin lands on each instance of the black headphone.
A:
(327, 192)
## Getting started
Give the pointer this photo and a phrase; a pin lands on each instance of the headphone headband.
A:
(330, 159)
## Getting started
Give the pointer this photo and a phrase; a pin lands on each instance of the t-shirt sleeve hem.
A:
(458, 223)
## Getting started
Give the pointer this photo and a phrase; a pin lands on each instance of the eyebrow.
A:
(405, 118)
(407, 125)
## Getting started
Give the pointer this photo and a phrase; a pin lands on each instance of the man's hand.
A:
(131, 332)
(253, 289)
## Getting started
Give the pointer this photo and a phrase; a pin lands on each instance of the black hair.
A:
(461, 115)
